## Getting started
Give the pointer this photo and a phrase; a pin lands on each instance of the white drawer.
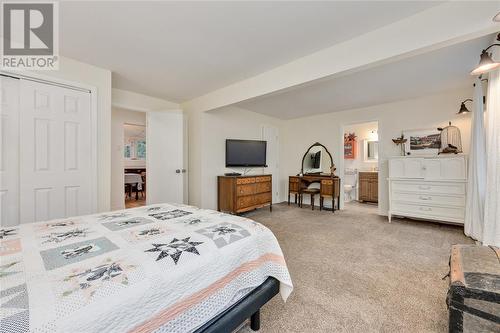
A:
(429, 211)
(428, 187)
(431, 199)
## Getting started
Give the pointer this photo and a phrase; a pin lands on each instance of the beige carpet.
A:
(354, 272)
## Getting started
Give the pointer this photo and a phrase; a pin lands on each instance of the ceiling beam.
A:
(440, 26)
(130, 100)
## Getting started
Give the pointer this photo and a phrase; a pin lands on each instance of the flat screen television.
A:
(245, 153)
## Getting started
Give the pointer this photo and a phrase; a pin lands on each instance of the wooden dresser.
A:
(368, 186)
(237, 194)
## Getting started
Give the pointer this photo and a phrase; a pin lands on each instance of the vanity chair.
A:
(315, 177)
(312, 190)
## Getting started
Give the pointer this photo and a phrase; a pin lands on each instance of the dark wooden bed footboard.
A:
(247, 307)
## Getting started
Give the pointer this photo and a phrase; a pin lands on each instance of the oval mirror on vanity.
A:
(316, 160)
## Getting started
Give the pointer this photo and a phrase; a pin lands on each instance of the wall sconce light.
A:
(486, 63)
(463, 108)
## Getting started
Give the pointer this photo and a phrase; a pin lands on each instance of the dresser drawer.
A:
(244, 202)
(263, 187)
(263, 179)
(262, 198)
(430, 199)
(429, 211)
(248, 180)
(428, 187)
(242, 190)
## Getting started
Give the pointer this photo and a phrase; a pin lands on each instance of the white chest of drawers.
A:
(431, 188)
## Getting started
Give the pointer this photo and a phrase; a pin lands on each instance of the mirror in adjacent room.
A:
(316, 160)
(370, 150)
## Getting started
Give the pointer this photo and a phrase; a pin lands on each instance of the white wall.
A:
(78, 72)
(118, 119)
(426, 112)
(363, 132)
(208, 132)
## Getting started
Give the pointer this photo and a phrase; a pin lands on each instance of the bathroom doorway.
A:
(360, 167)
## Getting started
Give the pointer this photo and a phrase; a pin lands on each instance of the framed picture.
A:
(423, 142)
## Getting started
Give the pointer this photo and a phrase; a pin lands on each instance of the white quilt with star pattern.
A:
(158, 268)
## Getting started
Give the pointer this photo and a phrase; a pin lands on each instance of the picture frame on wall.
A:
(422, 142)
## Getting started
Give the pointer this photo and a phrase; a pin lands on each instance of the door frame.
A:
(341, 167)
(46, 79)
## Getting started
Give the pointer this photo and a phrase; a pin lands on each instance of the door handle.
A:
(178, 171)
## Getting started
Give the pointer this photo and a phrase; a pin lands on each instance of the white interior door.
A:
(271, 135)
(55, 152)
(9, 151)
(166, 172)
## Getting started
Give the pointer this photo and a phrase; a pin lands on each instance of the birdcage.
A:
(451, 140)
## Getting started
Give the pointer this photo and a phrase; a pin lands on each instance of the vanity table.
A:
(329, 187)
(317, 166)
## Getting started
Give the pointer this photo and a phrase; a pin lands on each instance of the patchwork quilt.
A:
(158, 268)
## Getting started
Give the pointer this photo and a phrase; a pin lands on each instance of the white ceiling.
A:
(438, 71)
(181, 50)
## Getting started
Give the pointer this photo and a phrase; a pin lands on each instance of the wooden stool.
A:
(312, 192)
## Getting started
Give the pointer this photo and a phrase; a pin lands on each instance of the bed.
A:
(158, 268)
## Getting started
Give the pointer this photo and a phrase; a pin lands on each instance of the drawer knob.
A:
(426, 209)
(424, 187)
(425, 198)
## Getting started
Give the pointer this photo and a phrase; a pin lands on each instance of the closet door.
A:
(55, 152)
(9, 151)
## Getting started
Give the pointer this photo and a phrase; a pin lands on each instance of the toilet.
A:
(350, 184)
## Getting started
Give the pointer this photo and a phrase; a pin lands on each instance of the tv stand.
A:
(238, 194)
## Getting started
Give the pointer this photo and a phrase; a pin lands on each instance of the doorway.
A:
(360, 167)
(128, 158)
(151, 144)
(134, 162)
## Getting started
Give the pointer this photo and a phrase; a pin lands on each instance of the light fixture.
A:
(463, 108)
(486, 63)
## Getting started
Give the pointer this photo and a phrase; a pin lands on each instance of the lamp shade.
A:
(486, 64)
(463, 109)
